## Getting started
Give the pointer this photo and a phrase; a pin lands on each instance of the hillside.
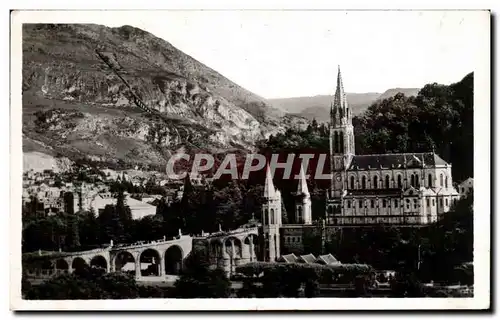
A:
(409, 92)
(318, 107)
(75, 105)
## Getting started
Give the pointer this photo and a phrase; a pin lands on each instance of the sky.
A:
(296, 53)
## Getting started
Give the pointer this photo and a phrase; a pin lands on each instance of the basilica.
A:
(405, 189)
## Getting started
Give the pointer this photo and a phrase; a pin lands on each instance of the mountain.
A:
(123, 94)
(318, 107)
(409, 92)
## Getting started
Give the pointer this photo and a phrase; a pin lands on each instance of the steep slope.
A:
(83, 85)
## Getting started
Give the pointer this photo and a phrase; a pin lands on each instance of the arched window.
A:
(363, 182)
(299, 215)
(272, 216)
(429, 182)
(341, 142)
(375, 182)
(417, 183)
(384, 203)
(400, 183)
(335, 142)
(446, 182)
(387, 181)
(352, 182)
(266, 216)
(412, 183)
(441, 179)
(349, 204)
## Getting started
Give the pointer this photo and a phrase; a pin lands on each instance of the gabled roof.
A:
(467, 181)
(288, 258)
(308, 258)
(327, 259)
(395, 160)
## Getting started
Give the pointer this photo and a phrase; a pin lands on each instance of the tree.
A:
(201, 282)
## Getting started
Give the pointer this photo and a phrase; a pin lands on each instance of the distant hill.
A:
(317, 107)
(392, 92)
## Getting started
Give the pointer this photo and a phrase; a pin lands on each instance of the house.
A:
(466, 187)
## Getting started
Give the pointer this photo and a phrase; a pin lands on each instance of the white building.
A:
(403, 188)
(466, 187)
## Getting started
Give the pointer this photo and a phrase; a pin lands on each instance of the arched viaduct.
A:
(145, 258)
(155, 260)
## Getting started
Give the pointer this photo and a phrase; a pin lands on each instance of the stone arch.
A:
(375, 182)
(149, 259)
(78, 263)
(429, 180)
(47, 265)
(351, 180)
(272, 217)
(387, 183)
(237, 246)
(266, 216)
(62, 264)
(412, 180)
(173, 260)
(417, 181)
(99, 262)
(441, 180)
(125, 262)
(400, 181)
(363, 182)
(446, 182)
(252, 238)
(216, 248)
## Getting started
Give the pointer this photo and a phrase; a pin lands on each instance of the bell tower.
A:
(341, 151)
(271, 219)
(341, 137)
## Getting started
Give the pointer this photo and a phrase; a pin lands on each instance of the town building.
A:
(466, 187)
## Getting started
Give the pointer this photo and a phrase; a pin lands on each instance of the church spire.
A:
(269, 191)
(339, 101)
(339, 110)
(302, 186)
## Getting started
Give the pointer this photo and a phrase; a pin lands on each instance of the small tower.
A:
(271, 219)
(302, 201)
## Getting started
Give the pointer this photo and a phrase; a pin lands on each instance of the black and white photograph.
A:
(250, 159)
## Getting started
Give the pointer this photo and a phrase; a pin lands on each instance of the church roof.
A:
(395, 160)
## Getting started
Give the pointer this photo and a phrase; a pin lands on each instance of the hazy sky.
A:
(296, 53)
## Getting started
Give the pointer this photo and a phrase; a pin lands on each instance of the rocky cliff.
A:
(124, 94)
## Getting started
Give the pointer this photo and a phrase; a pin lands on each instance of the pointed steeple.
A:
(339, 100)
(302, 186)
(269, 191)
